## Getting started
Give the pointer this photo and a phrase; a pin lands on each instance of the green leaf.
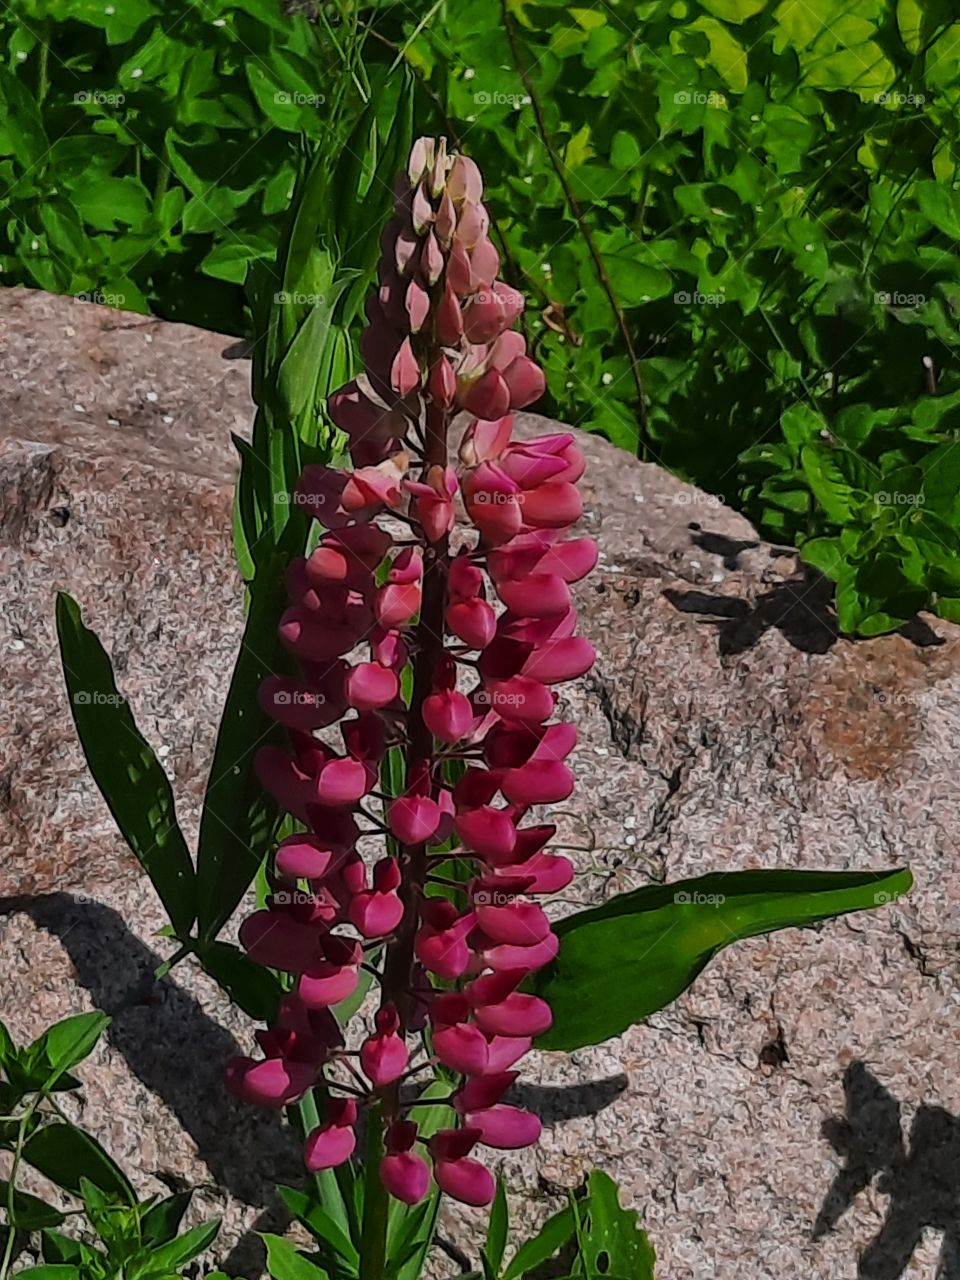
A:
(284, 1262)
(162, 1222)
(255, 990)
(497, 1228)
(552, 1236)
(239, 818)
(30, 1213)
(135, 787)
(52, 1271)
(321, 1225)
(622, 961)
(941, 205)
(609, 1238)
(105, 202)
(826, 481)
(168, 1258)
(66, 1155)
(70, 1041)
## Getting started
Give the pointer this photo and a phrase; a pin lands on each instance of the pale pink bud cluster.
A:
(483, 681)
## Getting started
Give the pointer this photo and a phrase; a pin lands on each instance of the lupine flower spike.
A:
(362, 610)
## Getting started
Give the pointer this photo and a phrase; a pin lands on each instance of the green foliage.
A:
(770, 190)
(149, 149)
(119, 1234)
(637, 953)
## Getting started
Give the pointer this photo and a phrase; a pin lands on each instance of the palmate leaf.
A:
(623, 961)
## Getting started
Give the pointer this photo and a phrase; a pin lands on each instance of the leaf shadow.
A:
(921, 1176)
(178, 1052)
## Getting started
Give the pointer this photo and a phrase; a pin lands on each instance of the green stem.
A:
(12, 1188)
(373, 1240)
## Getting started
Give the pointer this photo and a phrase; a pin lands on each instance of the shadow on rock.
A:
(801, 609)
(556, 1103)
(177, 1052)
(921, 1177)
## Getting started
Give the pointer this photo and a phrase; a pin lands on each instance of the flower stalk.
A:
(365, 608)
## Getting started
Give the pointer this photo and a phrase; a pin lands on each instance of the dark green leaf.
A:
(124, 767)
(622, 961)
(66, 1155)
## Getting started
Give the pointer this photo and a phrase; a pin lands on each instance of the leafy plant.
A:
(119, 1234)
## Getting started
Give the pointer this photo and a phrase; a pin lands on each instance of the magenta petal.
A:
(539, 782)
(559, 660)
(525, 382)
(472, 621)
(507, 956)
(462, 1048)
(384, 1058)
(444, 953)
(342, 782)
(517, 1015)
(413, 819)
(465, 1180)
(273, 1083)
(504, 1051)
(370, 686)
(327, 985)
(303, 857)
(406, 1176)
(487, 831)
(375, 914)
(552, 505)
(520, 924)
(538, 596)
(488, 398)
(505, 1127)
(448, 715)
(328, 1146)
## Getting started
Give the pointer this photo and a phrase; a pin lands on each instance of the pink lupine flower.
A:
(405, 1174)
(384, 1055)
(444, 647)
(333, 1142)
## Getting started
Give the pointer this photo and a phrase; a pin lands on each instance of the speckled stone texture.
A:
(793, 1115)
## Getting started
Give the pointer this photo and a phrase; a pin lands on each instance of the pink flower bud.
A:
(272, 1083)
(405, 1175)
(384, 1056)
(332, 1143)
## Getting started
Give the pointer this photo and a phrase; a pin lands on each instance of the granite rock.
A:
(793, 1114)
